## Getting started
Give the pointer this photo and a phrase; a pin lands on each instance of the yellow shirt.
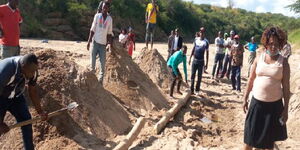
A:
(152, 17)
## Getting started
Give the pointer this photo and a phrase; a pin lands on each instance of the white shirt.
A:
(175, 42)
(123, 38)
(286, 50)
(219, 41)
(229, 42)
(102, 28)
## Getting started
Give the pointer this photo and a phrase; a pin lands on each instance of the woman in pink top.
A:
(269, 83)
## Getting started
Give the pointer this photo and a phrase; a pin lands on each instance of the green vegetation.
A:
(186, 16)
(295, 7)
(294, 38)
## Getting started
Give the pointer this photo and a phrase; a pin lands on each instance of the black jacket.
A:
(179, 44)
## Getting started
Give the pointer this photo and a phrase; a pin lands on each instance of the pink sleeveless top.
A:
(267, 84)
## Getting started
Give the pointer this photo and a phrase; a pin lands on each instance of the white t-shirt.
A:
(123, 38)
(219, 41)
(229, 42)
(102, 28)
(175, 42)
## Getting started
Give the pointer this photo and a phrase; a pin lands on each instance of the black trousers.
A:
(197, 66)
(174, 80)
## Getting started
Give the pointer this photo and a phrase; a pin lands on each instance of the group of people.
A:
(269, 73)
(128, 40)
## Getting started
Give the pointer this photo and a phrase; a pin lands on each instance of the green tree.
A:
(295, 7)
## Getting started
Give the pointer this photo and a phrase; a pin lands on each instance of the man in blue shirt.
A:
(201, 46)
(252, 47)
(15, 73)
(173, 63)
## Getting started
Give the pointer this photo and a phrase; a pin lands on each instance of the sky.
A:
(273, 6)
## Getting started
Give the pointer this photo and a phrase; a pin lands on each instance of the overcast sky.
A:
(273, 6)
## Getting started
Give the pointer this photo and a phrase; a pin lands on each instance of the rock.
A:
(56, 35)
(53, 21)
(64, 28)
(54, 15)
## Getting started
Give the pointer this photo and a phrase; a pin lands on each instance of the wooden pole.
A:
(171, 113)
(132, 135)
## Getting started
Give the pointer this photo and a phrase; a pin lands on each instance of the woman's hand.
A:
(245, 106)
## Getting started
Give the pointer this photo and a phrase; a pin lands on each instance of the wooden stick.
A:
(131, 136)
(34, 120)
(171, 113)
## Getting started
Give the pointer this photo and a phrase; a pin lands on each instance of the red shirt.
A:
(9, 22)
(131, 37)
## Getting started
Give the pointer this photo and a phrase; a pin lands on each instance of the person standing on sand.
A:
(101, 34)
(123, 37)
(15, 74)
(170, 40)
(173, 63)
(286, 50)
(252, 47)
(201, 46)
(227, 61)
(150, 19)
(220, 53)
(130, 41)
(177, 42)
(10, 20)
(270, 83)
(237, 54)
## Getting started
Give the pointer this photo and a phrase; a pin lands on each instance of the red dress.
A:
(131, 40)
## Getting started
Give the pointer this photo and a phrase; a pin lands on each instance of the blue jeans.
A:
(150, 28)
(236, 77)
(218, 61)
(100, 50)
(19, 109)
(226, 66)
(9, 51)
(196, 66)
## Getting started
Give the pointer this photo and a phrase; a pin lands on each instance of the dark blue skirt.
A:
(262, 126)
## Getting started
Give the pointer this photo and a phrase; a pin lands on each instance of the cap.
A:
(236, 37)
(226, 34)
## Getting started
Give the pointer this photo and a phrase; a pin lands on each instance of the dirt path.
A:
(217, 102)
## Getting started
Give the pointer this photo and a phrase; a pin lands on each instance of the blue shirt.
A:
(252, 47)
(174, 61)
(12, 80)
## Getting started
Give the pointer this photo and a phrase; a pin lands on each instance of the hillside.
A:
(71, 19)
(294, 38)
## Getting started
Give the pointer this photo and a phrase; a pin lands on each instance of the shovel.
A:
(70, 107)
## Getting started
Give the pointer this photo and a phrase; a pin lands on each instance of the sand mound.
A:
(153, 64)
(130, 84)
(94, 124)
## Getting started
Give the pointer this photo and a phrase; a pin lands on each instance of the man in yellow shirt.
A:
(150, 17)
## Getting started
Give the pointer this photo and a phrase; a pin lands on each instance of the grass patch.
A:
(294, 38)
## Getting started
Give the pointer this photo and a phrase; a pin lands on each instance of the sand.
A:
(131, 90)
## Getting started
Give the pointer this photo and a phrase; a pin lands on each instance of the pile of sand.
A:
(294, 107)
(153, 64)
(130, 84)
(94, 124)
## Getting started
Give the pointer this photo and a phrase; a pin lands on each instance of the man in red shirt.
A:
(10, 19)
